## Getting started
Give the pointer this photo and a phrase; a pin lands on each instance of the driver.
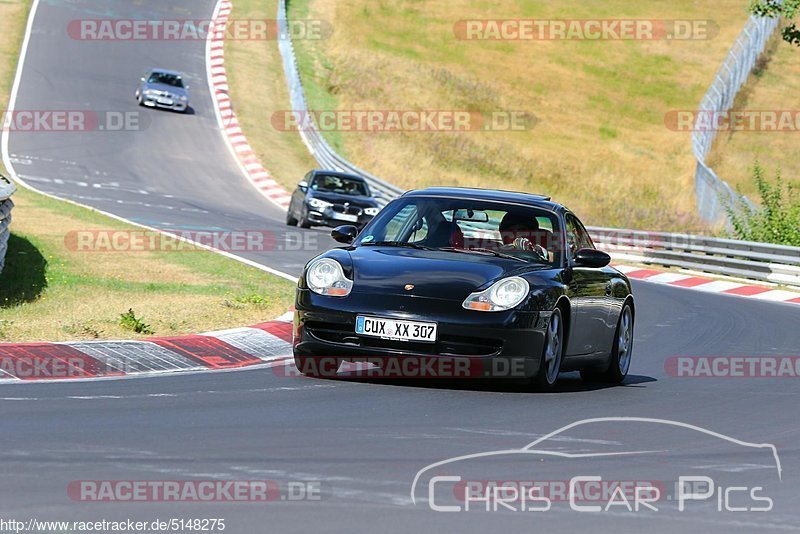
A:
(520, 232)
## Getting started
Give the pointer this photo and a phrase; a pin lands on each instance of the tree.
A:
(788, 9)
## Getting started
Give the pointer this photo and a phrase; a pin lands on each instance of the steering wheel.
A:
(523, 243)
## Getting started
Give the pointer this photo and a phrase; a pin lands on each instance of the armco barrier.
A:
(727, 257)
(742, 259)
(6, 190)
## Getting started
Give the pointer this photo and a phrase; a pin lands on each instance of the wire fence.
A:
(712, 193)
(6, 190)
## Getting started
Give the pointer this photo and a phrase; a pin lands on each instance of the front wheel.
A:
(304, 222)
(552, 354)
(290, 219)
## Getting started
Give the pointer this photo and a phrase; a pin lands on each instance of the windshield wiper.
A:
(398, 244)
(484, 251)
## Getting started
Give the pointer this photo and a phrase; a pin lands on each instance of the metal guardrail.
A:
(742, 259)
(326, 157)
(6, 190)
(712, 193)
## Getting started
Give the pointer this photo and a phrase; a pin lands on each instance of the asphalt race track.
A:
(361, 441)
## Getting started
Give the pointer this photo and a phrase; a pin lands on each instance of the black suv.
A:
(330, 198)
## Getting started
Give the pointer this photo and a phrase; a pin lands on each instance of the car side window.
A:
(407, 225)
(584, 239)
(577, 236)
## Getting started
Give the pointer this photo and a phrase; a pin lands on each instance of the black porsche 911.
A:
(330, 198)
(493, 283)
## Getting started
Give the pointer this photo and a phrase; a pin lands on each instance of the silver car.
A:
(163, 89)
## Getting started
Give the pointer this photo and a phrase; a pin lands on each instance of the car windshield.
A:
(340, 184)
(468, 226)
(167, 79)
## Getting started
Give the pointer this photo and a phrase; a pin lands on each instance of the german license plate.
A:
(396, 329)
(345, 217)
(165, 101)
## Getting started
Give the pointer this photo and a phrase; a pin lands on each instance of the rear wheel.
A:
(620, 360)
(552, 353)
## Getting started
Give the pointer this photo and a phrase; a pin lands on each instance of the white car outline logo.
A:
(529, 448)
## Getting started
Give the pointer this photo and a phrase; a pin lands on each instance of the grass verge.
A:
(599, 142)
(49, 291)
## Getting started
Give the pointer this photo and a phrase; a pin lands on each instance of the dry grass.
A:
(258, 89)
(774, 87)
(49, 291)
(600, 144)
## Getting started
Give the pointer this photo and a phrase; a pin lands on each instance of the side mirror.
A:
(344, 234)
(303, 186)
(589, 257)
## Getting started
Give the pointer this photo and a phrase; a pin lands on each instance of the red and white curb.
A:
(265, 343)
(237, 143)
(699, 283)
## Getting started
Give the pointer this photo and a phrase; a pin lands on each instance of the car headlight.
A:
(372, 212)
(502, 295)
(325, 277)
(149, 92)
(319, 204)
(183, 98)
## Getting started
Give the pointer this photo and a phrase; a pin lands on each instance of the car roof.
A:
(166, 71)
(355, 177)
(497, 195)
